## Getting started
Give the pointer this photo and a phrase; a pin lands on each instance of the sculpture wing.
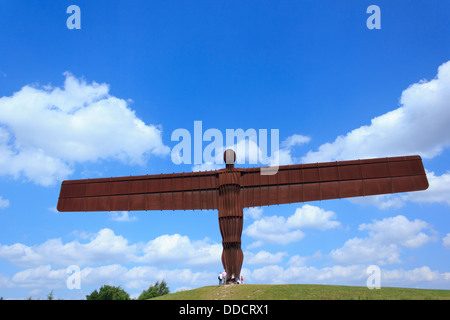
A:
(332, 180)
(177, 191)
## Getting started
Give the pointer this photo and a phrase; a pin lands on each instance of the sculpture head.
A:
(229, 156)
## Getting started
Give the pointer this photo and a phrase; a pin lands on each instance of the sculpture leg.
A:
(232, 255)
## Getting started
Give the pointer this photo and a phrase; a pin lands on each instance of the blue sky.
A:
(104, 101)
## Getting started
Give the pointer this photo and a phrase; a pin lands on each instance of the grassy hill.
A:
(305, 292)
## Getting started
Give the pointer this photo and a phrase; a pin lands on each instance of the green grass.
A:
(305, 292)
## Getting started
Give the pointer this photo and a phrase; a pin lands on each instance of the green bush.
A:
(108, 293)
(158, 289)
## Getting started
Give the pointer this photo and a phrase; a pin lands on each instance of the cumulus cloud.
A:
(273, 229)
(107, 247)
(383, 201)
(446, 241)
(355, 274)
(39, 277)
(103, 247)
(168, 249)
(417, 275)
(133, 279)
(105, 258)
(122, 216)
(418, 126)
(281, 230)
(398, 230)
(284, 155)
(44, 130)
(309, 216)
(3, 203)
(140, 277)
(438, 191)
(385, 241)
(264, 257)
(253, 213)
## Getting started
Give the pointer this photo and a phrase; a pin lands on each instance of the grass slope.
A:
(305, 292)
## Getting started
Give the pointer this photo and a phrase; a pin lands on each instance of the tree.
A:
(108, 293)
(158, 289)
(50, 296)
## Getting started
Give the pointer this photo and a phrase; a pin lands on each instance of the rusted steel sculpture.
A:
(231, 189)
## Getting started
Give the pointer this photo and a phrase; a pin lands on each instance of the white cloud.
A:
(4, 203)
(438, 191)
(106, 274)
(141, 277)
(122, 216)
(274, 274)
(264, 257)
(45, 130)
(309, 216)
(446, 241)
(104, 247)
(253, 213)
(132, 279)
(135, 279)
(107, 247)
(295, 140)
(416, 275)
(383, 201)
(284, 155)
(39, 277)
(398, 230)
(167, 249)
(297, 261)
(384, 243)
(281, 230)
(272, 229)
(365, 250)
(349, 275)
(418, 126)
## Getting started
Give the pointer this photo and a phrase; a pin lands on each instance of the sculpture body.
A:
(231, 189)
(231, 216)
